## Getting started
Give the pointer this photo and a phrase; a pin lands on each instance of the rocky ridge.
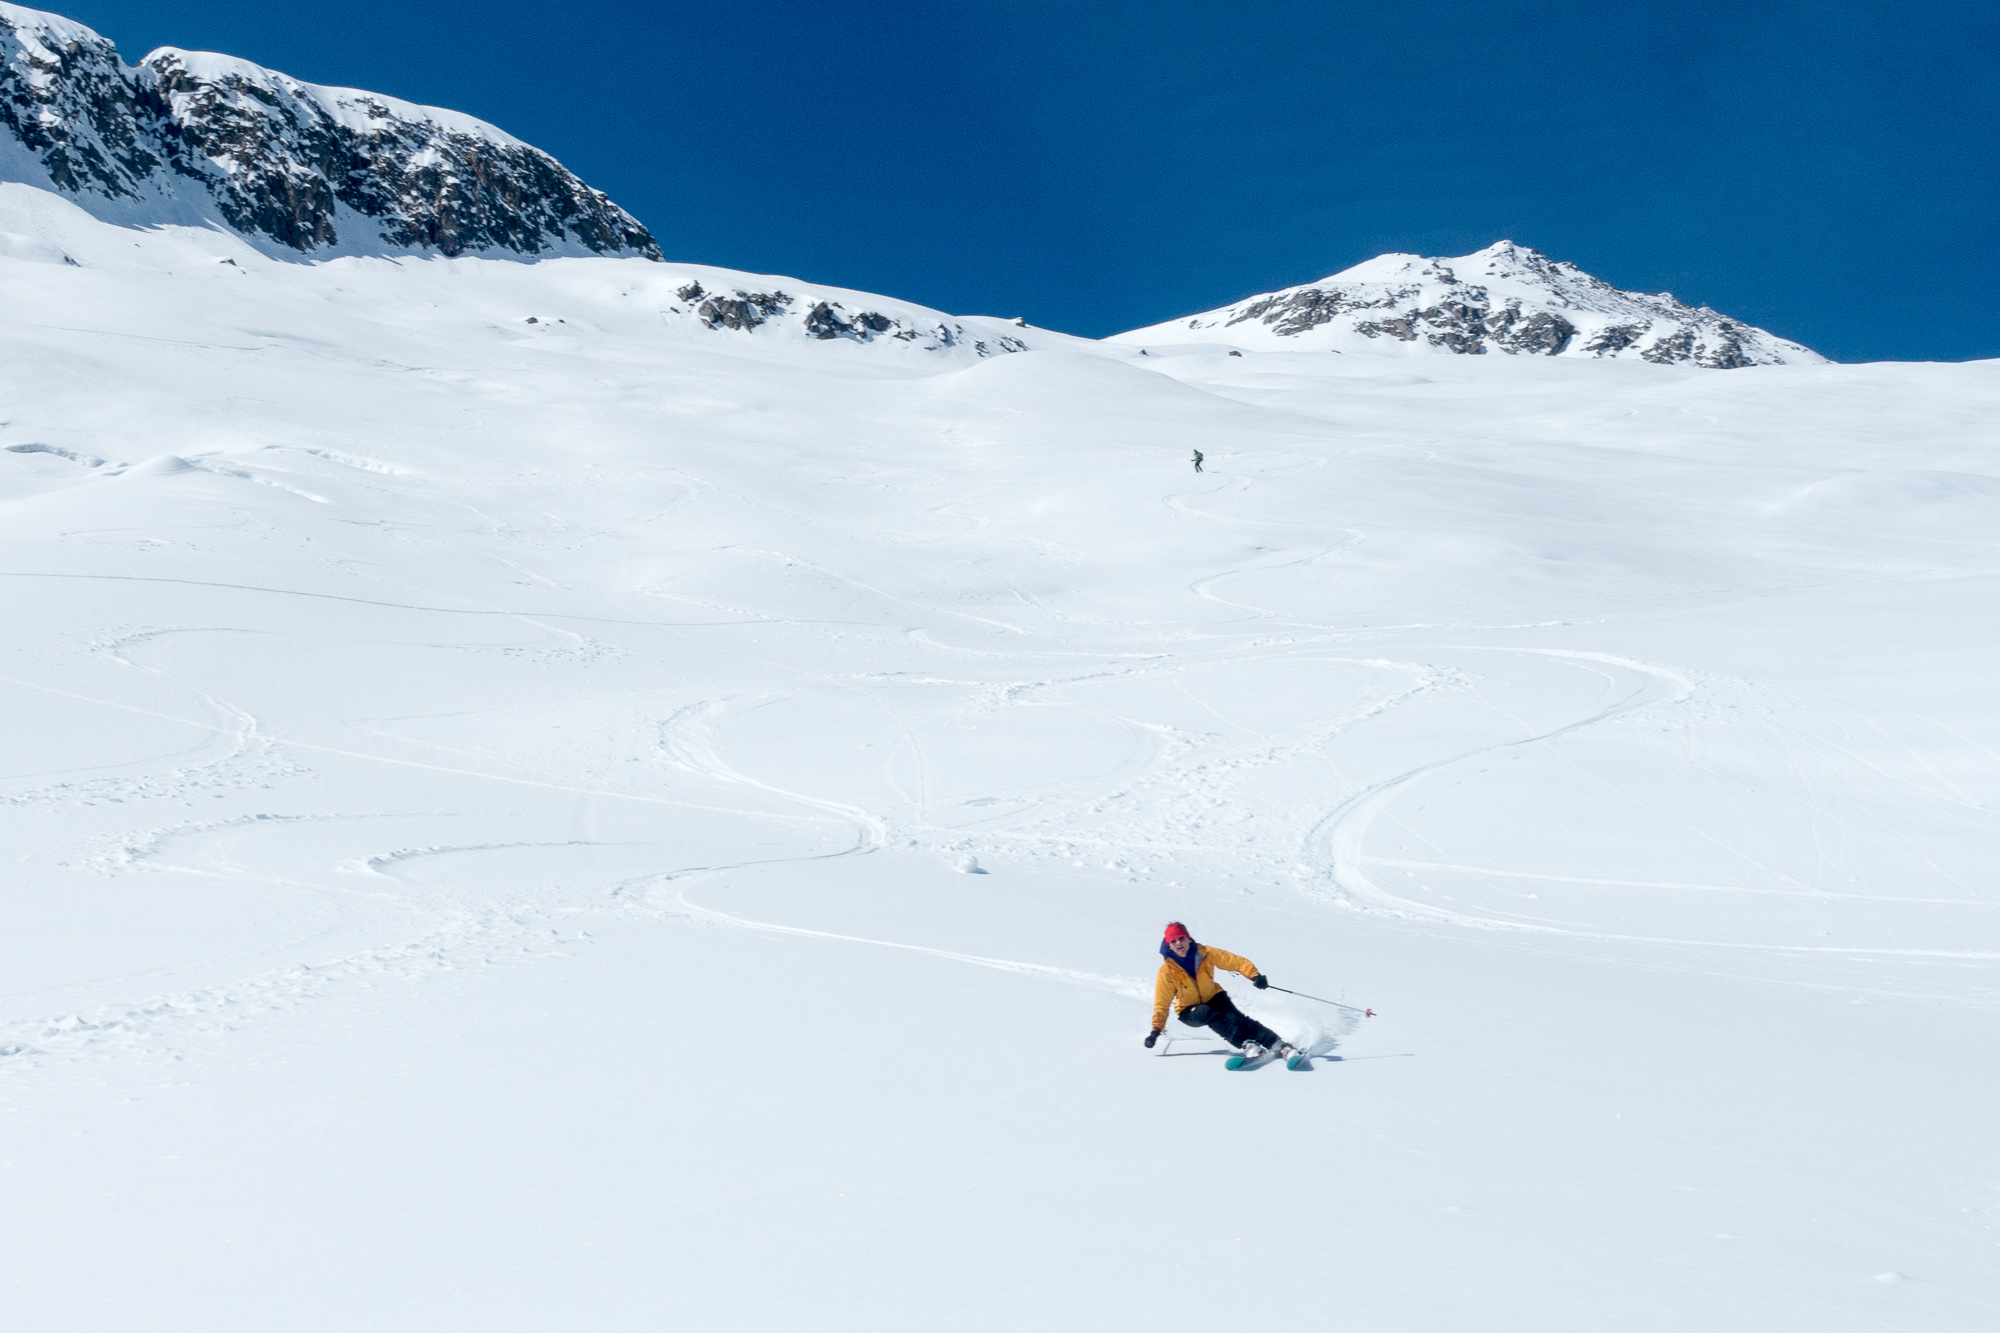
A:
(1506, 298)
(191, 137)
(824, 320)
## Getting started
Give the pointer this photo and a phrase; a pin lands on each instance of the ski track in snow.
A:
(1130, 988)
(1335, 848)
(1338, 841)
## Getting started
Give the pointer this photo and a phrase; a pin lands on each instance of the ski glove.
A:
(1152, 1037)
(1260, 981)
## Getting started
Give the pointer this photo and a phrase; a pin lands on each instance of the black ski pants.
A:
(1221, 1016)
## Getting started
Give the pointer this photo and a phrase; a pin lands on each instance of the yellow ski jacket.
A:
(1174, 986)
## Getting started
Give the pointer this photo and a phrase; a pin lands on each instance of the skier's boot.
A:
(1247, 1055)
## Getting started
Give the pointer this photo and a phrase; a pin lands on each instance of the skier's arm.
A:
(1230, 962)
(1163, 995)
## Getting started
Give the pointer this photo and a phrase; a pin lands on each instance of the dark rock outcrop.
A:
(69, 100)
(1614, 339)
(306, 167)
(1542, 333)
(743, 311)
(830, 320)
(826, 319)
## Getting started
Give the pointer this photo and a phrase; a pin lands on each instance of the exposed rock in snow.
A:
(190, 137)
(1505, 298)
(743, 311)
(831, 321)
(824, 317)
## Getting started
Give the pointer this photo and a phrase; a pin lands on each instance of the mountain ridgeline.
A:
(1505, 299)
(191, 137)
(302, 171)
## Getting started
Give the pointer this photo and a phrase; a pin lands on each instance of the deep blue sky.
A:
(1828, 170)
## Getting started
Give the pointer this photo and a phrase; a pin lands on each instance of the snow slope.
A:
(1506, 299)
(611, 822)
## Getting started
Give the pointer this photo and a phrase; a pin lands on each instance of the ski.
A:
(1297, 1061)
(1262, 1058)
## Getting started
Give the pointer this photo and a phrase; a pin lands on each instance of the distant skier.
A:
(1197, 460)
(1187, 981)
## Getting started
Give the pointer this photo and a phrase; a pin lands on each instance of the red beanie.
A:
(1176, 931)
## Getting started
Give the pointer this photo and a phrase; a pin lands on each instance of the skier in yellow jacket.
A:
(1187, 981)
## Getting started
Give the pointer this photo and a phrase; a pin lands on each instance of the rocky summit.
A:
(1504, 299)
(192, 137)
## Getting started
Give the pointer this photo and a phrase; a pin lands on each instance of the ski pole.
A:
(1365, 1013)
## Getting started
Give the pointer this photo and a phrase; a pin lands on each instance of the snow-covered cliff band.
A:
(192, 137)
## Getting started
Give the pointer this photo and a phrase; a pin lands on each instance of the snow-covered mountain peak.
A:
(194, 137)
(38, 27)
(1505, 298)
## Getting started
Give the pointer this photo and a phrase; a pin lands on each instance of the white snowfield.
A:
(611, 824)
